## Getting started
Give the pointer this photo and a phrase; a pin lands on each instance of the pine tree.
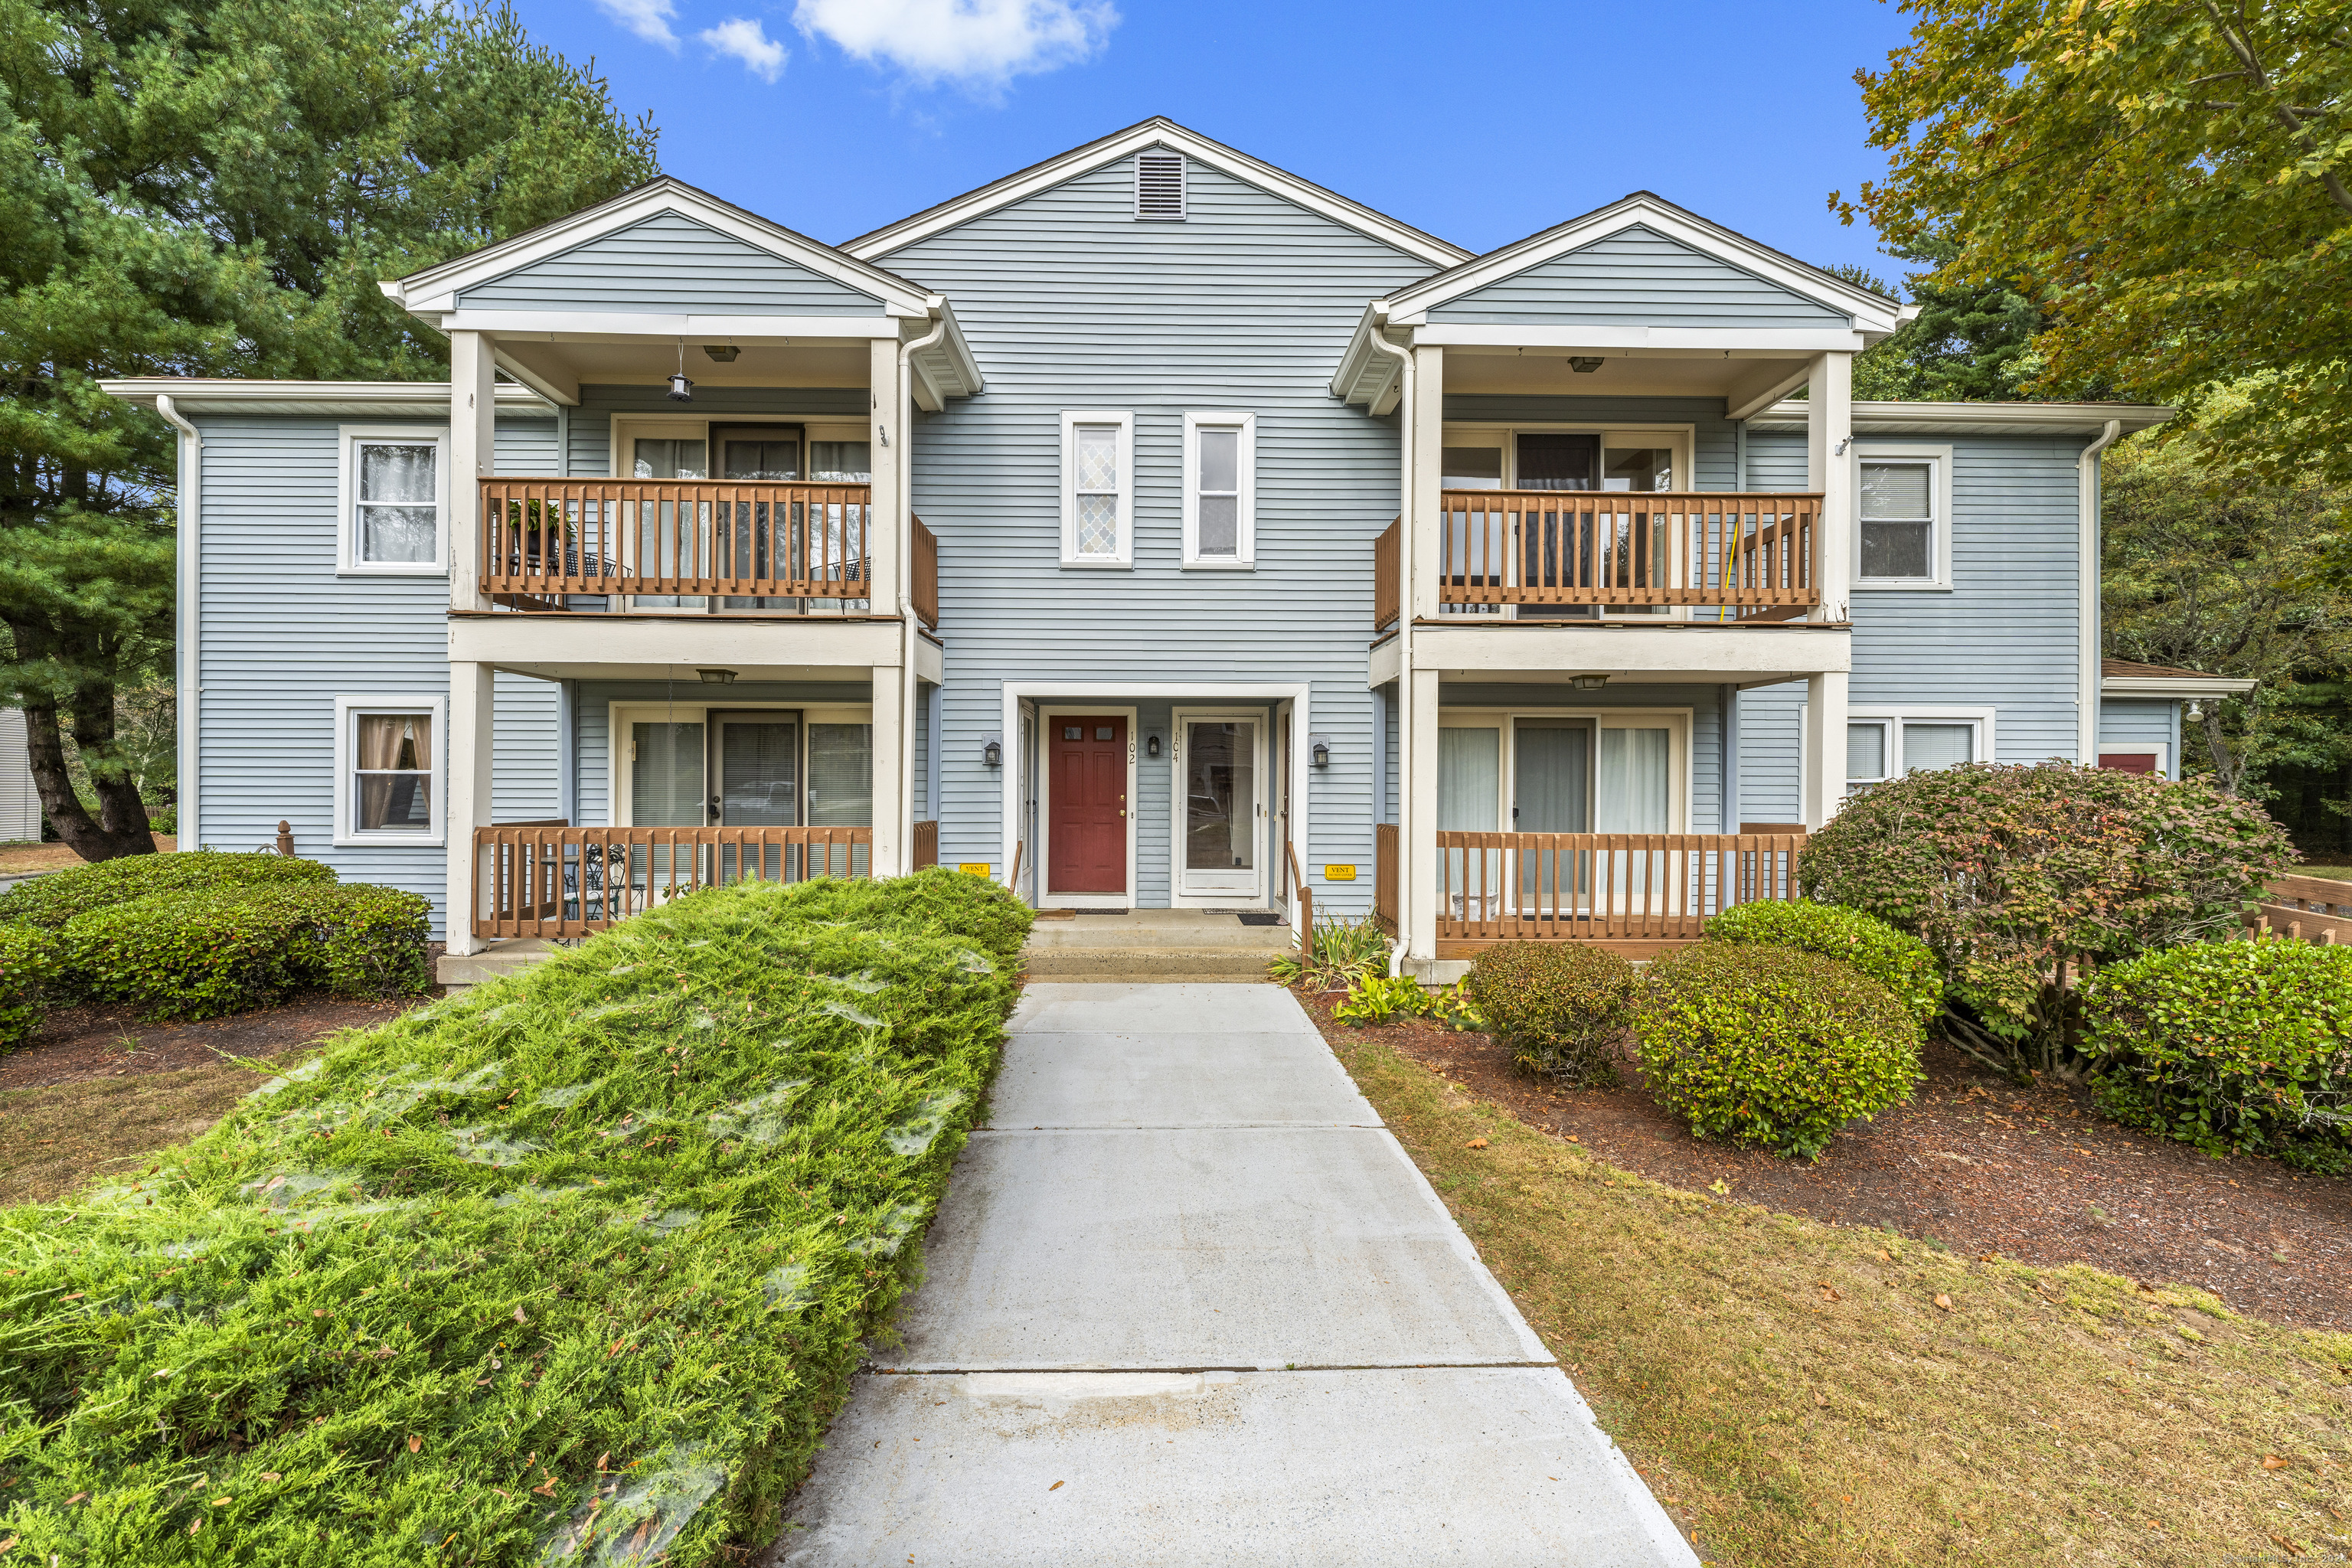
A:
(214, 189)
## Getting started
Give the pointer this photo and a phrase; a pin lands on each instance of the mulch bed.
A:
(1976, 1164)
(98, 1041)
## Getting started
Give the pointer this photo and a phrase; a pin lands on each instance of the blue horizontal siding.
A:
(1638, 277)
(671, 263)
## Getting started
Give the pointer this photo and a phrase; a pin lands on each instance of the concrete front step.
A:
(1146, 962)
(498, 959)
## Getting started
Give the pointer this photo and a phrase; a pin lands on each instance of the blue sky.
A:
(1479, 121)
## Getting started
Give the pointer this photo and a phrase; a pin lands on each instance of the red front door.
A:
(1085, 834)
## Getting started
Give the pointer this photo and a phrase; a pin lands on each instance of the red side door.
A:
(2128, 762)
(1086, 832)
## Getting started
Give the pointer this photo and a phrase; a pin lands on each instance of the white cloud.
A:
(975, 41)
(749, 42)
(648, 19)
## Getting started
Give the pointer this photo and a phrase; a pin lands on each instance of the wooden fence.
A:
(1627, 888)
(1746, 551)
(2304, 909)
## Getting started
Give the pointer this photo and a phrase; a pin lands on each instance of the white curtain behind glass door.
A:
(1634, 794)
(1469, 800)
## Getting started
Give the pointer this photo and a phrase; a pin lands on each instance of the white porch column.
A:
(473, 453)
(1417, 814)
(1830, 468)
(1825, 743)
(890, 719)
(885, 456)
(1427, 411)
(472, 713)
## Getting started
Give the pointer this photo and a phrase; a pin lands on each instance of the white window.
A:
(1097, 489)
(1881, 745)
(1220, 489)
(1902, 527)
(393, 501)
(388, 770)
(1159, 188)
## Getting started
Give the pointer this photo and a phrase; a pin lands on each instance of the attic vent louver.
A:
(1159, 188)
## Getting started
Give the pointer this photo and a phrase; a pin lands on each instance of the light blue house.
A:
(1151, 527)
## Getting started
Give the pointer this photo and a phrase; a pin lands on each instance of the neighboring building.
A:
(2140, 712)
(20, 802)
(1049, 532)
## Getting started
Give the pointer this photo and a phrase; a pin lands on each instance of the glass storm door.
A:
(1551, 791)
(755, 778)
(1222, 809)
(756, 537)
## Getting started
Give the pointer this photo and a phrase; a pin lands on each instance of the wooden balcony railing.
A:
(534, 880)
(1603, 886)
(1747, 551)
(925, 587)
(751, 545)
(1387, 579)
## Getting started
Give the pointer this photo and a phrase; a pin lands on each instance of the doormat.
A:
(1057, 914)
(1259, 918)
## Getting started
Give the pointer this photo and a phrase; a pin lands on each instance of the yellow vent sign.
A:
(975, 868)
(1339, 873)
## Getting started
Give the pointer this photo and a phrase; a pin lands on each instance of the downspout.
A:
(187, 666)
(1406, 583)
(904, 459)
(2088, 655)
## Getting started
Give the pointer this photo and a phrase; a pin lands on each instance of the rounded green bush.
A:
(2237, 1048)
(1559, 1007)
(224, 950)
(56, 898)
(28, 970)
(1896, 960)
(1772, 1046)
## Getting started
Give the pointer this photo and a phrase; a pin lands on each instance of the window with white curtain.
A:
(1220, 489)
(1097, 489)
(387, 767)
(1636, 782)
(392, 500)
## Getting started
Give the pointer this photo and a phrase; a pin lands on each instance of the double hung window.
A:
(1902, 527)
(387, 755)
(393, 503)
(1220, 489)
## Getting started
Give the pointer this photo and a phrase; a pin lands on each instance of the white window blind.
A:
(1898, 521)
(1159, 186)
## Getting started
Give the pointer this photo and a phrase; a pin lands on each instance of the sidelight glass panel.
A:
(841, 462)
(1469, 800)
(666, 775)
(840, 792)
(1638, 469)
(1220, 797)
(1470, 468)
(1634, 783)
(667, 544)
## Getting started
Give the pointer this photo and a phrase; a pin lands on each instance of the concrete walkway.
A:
(1188, 1302)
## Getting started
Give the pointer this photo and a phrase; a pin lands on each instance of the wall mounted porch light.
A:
(680, 389)
(1589, 682)
(992, 753)
(716, 677)
(1319, 748)
(1584, 364)
(1151, 744)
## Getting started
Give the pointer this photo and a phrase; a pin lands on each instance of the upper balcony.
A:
(568, 546)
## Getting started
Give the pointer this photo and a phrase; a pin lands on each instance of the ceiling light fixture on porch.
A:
(1584, 364)
(723, 353)
(1589, 682)
(717, 676)
(680, 389)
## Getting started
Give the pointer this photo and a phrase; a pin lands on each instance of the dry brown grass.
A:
(54, 1140)
(1796, 1391)
(17, 858)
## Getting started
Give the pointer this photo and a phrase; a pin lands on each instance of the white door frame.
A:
(1261, 807)
(1118, 693)
(1047, 898)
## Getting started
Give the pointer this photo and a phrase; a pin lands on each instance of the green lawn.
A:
(1813, 1395)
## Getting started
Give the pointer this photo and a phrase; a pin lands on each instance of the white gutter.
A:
(187, 667)
(1407, 408)
(904, 459)
(2087, 653)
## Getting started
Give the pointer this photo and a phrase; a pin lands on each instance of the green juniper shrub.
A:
(1559, 1007)
(55, 898)
(28, 972)
(1896, 960)
(2237, 1048)
(2014, 875)
(574, 1266)
(1772, 1046)
(203, 954)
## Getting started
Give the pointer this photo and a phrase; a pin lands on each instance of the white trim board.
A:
(1108, 693)
(1046, 713)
